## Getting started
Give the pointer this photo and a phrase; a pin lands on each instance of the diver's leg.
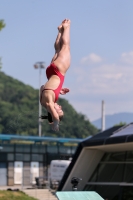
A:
(57, 44)
(63, 60)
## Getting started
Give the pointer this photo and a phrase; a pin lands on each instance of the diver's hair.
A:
(61, 117)
(49, 117)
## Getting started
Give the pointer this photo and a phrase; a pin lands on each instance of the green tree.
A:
(0, 64)
(121, 124)
(2, 24)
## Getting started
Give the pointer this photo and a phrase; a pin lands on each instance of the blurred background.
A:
(101, 49)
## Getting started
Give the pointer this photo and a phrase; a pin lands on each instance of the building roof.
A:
(114, 135)
(126, 130)
(39, 139)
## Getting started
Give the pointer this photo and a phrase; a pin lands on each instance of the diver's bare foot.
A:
(60, 28)
(66, 23)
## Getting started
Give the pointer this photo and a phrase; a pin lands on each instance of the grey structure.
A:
(105, 164)
(22, 158)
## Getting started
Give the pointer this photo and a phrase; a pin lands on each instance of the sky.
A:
(101, 49)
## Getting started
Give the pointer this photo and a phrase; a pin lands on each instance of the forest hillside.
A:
(19, 113)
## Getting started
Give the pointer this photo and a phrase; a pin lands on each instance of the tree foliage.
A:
(0, 64)
(2, 24)
(19, 113)
(121, 124)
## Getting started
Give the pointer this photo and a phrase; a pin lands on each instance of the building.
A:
(105, 164)
(22, 158)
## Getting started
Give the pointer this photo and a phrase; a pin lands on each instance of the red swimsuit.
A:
(52, 70)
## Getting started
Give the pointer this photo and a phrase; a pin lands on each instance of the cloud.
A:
(109, 82)
(91, 59)
(127, 58)
(106, 79)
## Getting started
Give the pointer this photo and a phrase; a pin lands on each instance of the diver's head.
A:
(59, 111)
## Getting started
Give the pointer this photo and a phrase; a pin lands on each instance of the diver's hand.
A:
(55, 125)
(64, 91)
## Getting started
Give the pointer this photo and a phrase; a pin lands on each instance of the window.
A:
(26, 157)
(112, 176)
(35, 157)
(7, 148)
(19, 157)
(52, 149)
(10, 157)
